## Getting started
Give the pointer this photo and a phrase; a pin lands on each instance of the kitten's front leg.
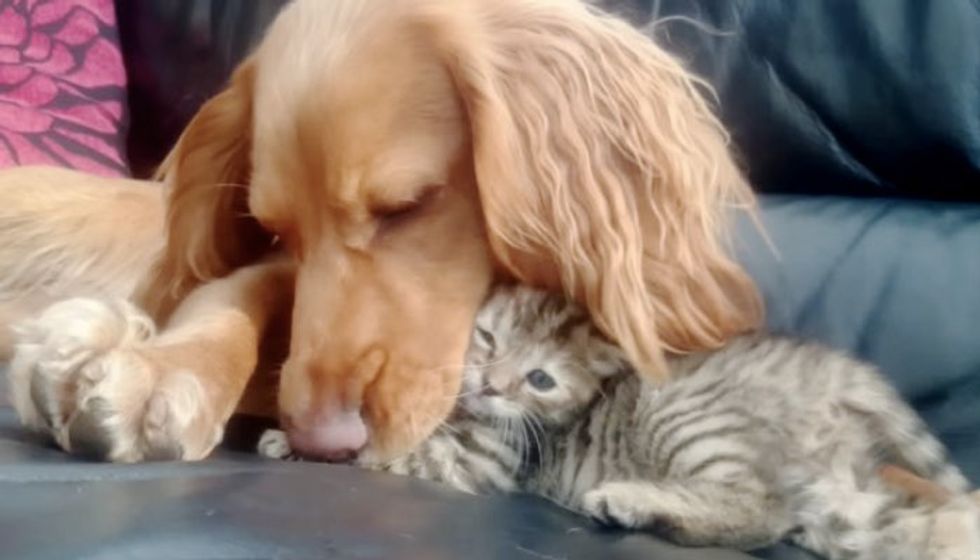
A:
(633, 505)
(273, 444)
(954, 533)
(691, 513)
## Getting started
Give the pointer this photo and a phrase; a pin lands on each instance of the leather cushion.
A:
(178, 53)
(865, 97)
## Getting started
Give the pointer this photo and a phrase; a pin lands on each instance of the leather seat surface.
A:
(858, 98)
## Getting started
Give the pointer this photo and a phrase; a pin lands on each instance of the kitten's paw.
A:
(86, 373)
(275, 445)
(623, 504)
(956, 530)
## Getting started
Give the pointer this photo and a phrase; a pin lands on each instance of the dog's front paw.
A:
(86, 372)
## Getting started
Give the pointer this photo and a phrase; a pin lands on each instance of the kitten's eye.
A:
(540, 380)
(486, 337)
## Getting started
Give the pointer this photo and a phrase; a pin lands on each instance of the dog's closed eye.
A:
(390, 215)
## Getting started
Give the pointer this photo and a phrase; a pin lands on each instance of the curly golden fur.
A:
(407, 154)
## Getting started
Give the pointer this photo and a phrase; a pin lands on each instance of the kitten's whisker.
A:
(522, 439)
(535, 439)
(509, 430)
(412, 426)
(603, 396)
(537, 429)
(520, 433)
(437, 369)
(520, 430)
(449, 427)
(470, 393)
(501, 359)
(478, 367)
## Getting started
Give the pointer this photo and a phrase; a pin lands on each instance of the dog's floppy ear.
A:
(208, 231)
(597, 156)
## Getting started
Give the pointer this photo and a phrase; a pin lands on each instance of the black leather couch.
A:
(859, 122)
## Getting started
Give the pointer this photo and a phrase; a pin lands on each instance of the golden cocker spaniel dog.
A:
(373, 168)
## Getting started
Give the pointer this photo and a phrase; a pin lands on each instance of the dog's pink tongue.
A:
(335, 438)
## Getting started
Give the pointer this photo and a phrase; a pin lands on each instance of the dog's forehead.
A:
(381, 121)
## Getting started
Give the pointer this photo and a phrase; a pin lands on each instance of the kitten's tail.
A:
(905, 437)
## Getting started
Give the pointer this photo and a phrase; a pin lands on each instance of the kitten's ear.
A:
(483, 338)
(603, 358)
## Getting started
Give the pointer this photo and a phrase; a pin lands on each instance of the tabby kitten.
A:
(764, 439)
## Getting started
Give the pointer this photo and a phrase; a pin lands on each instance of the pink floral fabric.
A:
(62, 85)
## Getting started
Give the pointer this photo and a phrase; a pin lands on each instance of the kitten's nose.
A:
(332, 436)
(489, 391)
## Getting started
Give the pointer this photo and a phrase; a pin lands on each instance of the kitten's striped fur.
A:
(763, 439)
